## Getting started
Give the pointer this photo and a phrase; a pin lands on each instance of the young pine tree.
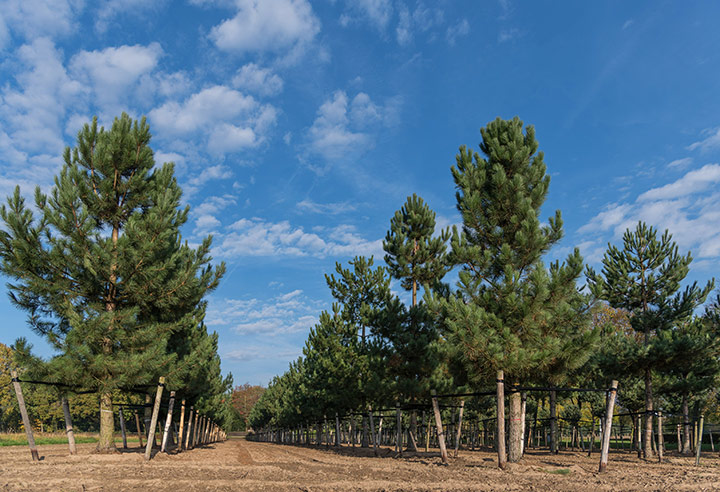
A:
(413, 255)
(510, 309)
(644, 279)
(102, 271)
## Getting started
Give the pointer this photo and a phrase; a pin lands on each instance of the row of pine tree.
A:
(554, 324)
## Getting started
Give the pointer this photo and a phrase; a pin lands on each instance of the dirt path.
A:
(243, 465)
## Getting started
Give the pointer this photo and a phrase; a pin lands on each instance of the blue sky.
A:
(299, 127)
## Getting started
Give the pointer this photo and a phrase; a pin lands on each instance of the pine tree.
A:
(414, 256)
(510, 311)
(644, 278)
(102, 270)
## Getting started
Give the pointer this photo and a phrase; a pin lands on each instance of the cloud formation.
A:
(266, 26)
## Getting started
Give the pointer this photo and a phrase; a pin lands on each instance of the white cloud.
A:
(683, 207)
(33, 109)
(693, 182)
(113, 75)
(292, 312)
(33, 19)
(325, 208)
(258, 80)
(680, 163)
(462, 28)
(256, 237)
(377, 12)
(421, 19)
(107, 10)
(266, 25)
(506, 35)
(344, 127)
(223, 119)
(710, 142)
(214, 104)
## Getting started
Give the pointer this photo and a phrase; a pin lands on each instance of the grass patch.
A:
(559, 471)
(21, 439)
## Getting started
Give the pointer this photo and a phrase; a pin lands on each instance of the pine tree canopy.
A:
(101, 267)
(511, 312)
(414, 256)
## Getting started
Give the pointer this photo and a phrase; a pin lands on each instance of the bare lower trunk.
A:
(648, 435)
(516, 428)
(106, 443)
(686, 449)
(553, 423)
(413, 432)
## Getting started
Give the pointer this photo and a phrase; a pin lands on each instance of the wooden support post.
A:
(181, 442)
(661, 443)
(337, 430)
(698, 441)
(154, 419)
(438, 424)
(193, 441)
(458, 435)
(607, 427)
(190, 427)
(372, 432)
(25, 418)
(137, 426)
(168, 421)
(427, 434)
(500, 438)
(398, 429)
(69, 426)
(122, 427)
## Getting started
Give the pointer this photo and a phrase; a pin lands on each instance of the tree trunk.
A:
(554, 448)
(648, 436)
(364, 443)
(686, 426)
(516, 428)
(106, 443)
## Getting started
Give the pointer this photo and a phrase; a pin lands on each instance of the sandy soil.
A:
(242, 465)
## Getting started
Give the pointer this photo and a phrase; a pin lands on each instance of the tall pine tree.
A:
(102, 270)
(510, 308)
(644, 278)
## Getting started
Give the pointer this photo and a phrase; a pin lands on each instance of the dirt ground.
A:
(242, 465)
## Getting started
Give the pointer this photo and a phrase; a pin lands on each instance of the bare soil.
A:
(242, 465)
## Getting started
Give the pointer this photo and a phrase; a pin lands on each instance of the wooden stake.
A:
(398, 429)
(500, 438)
(438, 424)
(122, 427)
(190, 428)
(337, 430)
(69, 426)
(660, 444)
(698, 441)
(25, 418)
(458, 435)
(607, 427)
(168, 421)
(372, 432)
(139, 431)
(154, 419)
(181, 442)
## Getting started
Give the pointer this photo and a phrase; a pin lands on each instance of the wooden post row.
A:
(25, 418)
(181, 442)
(154, 419)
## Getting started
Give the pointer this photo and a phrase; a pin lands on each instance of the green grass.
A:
(559, 471)
(21, 440)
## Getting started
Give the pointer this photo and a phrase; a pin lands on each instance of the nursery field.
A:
(242, 465)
